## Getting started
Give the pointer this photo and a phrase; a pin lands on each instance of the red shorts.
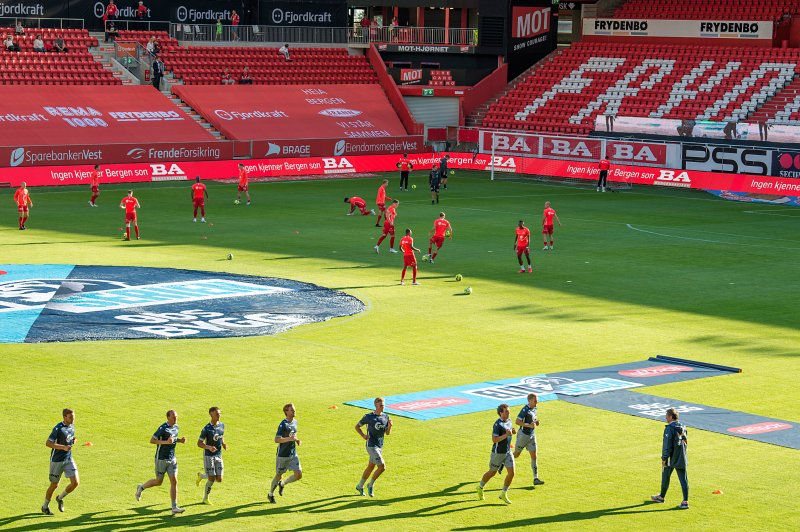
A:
(409, 260)
(388, 229)
(199, 202)
(242, 188)
(95, 189)
(438, 240)
(22, 208)
(130, 217)
(547, 229)
(522, 250)
(381, 206)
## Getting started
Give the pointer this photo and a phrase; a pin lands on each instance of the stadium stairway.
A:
(783, 108)
(103, 53)
(197, 117)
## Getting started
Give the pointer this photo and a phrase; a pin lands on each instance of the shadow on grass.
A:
(570, 516)
(151, 517)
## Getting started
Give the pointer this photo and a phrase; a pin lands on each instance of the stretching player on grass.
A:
(356, 202)
(521, 239)
(286, 459)
(501, 454)
(441, 228)
(378, 424)
(526, 436)
(547, 224)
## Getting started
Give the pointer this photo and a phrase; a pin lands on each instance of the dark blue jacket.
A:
(674, 447)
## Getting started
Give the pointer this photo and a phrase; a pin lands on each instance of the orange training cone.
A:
(717, 492)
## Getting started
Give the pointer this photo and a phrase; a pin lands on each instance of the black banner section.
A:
(447, 77)
(532, 32)
(729, 422)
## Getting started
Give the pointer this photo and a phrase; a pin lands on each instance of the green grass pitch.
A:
(635, 274)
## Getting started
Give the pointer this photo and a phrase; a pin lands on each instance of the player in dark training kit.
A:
(212, 441)
(526, 436)
(286, 458)
(434, 179)
(61, 440)
(165, 438)
(501, 454)
(378, 424)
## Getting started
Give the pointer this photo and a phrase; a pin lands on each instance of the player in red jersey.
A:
(95, 185)
(130, 204)
(380, 201)
(199, 197)
(409, 259)
(441, 228)
(23, 201)
(388, 227)
(243, 185)
(547, 224)
(604, 166)
(521, 240)
(354, 202)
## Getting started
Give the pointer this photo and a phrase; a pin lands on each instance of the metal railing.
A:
(37, 23)
(141, 25)
(316, 35)
(133, 57)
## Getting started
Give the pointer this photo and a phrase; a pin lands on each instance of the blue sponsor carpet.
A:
(62, 303)
(615, 388)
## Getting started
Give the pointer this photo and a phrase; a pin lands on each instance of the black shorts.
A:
(435, 188)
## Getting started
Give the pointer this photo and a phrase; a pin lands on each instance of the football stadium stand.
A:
(566, 94)
(719, 9)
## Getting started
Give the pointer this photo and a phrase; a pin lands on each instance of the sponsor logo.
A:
(512, 143)
(760, 428)
(786, 164)
(340, 113)
(408, 75)
(592, 386)
(529, 21)
(17, 157)
(160, 172)
(725, 159)
(145, 116)
(136, 153)
(636, 152)
(288, 17)
(570, 148)
(522, 388)
(729, 27)
(501, 164)
(248, 115)
(673, 178)
(655, 371)
(99, 9)
(272, 149)
(160, 303)
(427, 404)
(185, 14)
(657, 410)
(333, 165)
(339, 148)
(620, 25)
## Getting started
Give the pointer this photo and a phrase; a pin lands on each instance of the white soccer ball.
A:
(425, 258)
(468, 290)
(236, 202)
(230, 256)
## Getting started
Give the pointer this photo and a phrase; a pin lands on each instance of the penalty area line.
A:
(709, 241)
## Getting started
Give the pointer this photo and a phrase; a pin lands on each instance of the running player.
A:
(23, 201)
(441, 228)
(434, 179)
(443, 170)
(165, 438)
(243, 185)
(501, 454)
(354, 202)
(526, 436)
(212, 441)
(130, 204)
(96, 175)
(404, 165)
(603, 166)
(380, 201)
(378, 424)
(388, 226)
(199, 197)
(521, 240)
(61, 440)
(286, 458)
(409, 259)
(547, 224)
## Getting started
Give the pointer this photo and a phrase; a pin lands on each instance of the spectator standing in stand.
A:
(393, 29)
(235, 24)
(151, 46)
(111, 32)
(364, 25)
(111, 12)
(141, 11)
(219, 29)
(158, 72)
